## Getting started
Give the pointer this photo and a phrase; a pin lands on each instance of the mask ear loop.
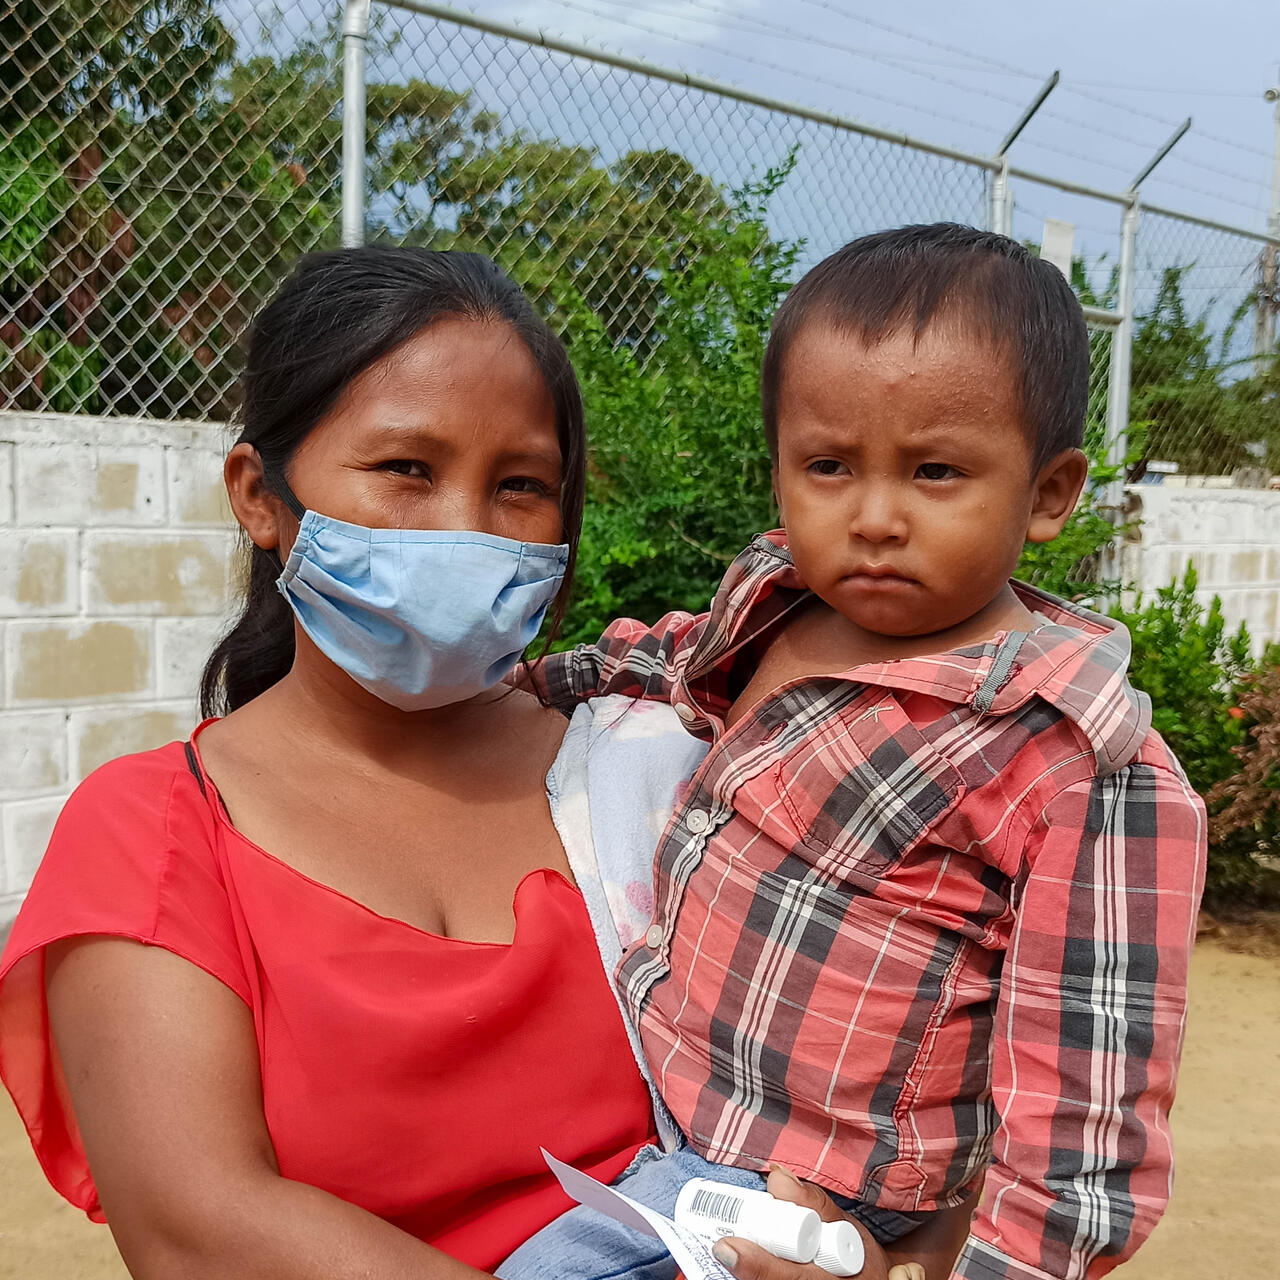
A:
(278, 485)
(275, 481)
(273, 478)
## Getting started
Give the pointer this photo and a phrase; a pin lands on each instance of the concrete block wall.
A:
(115, 571)
(1232, 536)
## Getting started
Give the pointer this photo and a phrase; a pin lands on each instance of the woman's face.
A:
(456, 429)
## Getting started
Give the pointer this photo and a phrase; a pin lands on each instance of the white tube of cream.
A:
(714, 1210)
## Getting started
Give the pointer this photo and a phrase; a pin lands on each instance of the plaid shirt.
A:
(919, 920)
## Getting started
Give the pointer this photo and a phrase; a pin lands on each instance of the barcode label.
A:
(717, 1204)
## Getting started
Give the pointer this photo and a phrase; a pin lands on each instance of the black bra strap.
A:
(194, 766)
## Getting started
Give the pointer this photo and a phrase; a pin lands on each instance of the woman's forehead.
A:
(460, 384)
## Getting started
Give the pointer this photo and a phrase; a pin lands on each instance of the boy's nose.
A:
(877, 517)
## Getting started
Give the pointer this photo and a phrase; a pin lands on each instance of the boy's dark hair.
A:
(1023, 306)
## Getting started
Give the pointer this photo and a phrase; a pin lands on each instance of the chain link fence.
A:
(163, 162)
(591, 180)
(1199, 399)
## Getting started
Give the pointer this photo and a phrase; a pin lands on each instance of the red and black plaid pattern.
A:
(921, 919)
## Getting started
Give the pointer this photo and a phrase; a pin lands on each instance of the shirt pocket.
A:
(864, 789)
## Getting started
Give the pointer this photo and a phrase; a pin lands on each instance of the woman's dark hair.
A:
(339, 313)
(902, 279)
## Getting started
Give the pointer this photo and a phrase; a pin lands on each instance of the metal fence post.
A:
(999, 219)
(1264, 328)
(355, 31)
(1118, 384)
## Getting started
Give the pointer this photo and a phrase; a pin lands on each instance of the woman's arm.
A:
(161, 1063)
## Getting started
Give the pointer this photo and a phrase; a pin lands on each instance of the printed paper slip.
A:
(692, 1253)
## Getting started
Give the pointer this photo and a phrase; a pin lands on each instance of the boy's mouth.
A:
(878, 575)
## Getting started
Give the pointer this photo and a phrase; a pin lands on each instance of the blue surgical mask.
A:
(419, 617)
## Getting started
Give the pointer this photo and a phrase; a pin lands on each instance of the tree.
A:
(80, 61)
(679, 473)
(73, 79)
(1198, 411)
(563, 223)
(222, 204)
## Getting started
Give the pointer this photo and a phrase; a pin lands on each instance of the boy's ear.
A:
(1056, 492)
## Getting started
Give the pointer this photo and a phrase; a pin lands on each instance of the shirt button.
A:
(653, 937)
(686, 712)
(698, 820)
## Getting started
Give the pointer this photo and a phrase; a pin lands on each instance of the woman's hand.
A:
(750, 1262)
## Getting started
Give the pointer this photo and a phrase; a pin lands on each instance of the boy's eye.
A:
(936, 471)
(826, 467)
(405, 467)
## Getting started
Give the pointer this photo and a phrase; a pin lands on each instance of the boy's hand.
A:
(750, 1262)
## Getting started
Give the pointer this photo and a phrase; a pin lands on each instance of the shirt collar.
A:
(1077, 661)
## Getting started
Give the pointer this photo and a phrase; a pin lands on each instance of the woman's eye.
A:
(405, 467)
(936, 471)
(826, 467)
(524, 484)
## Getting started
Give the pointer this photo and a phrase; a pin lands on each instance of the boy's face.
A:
(904, 476)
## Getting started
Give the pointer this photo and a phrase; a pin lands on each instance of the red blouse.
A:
(413, 1075)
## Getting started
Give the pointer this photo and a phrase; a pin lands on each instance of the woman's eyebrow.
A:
(547, 457)
(390, 432)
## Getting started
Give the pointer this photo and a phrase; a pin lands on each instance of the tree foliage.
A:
(680, 476)
(82, 61)
(1200, 407)
(156, 183)
(155, 206)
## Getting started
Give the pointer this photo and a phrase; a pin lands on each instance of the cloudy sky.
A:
(958, 73)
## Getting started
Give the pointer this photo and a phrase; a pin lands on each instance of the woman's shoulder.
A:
(135, 834)
(141, 766)
(138, 792)
(132, 857)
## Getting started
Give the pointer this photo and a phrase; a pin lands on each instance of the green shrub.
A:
(1194, 670)
(680, 476)
(1192, 667)
(1246, 806)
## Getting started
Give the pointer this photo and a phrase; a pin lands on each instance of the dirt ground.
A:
(1221, 1222)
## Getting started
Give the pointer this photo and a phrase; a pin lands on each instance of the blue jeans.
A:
(584, 1244)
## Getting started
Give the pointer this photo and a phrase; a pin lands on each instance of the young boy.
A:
(925, 910)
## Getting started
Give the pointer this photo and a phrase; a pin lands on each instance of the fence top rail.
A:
(1260, 236)
(1124, 198)
(526, 35)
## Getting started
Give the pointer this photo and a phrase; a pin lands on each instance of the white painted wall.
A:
(115, 563)
(1232, 536)
(115, 554)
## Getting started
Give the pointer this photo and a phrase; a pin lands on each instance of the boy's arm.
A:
(630, 658)
(1088, 1030)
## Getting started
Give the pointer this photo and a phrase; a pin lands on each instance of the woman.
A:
(303, 997)
(313, 977)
